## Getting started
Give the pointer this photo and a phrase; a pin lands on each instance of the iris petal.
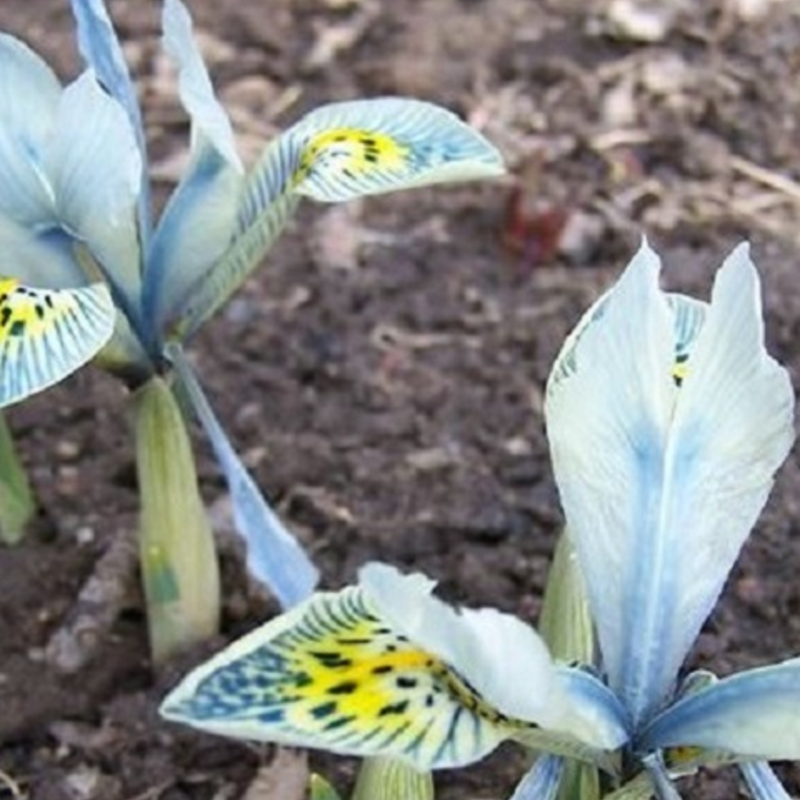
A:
(752, 714)
(45, 259)
(46, 335)
(662, 472)
(197, 224)
(495, 652)
(29, 93)
(333, 674)
(336, 153)
(95, 168)
(101, 49)
(209, 120)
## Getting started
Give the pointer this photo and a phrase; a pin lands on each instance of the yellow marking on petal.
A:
(677, 755)
(354, 151)
(46, 334)
(680, 369)
(337, 678)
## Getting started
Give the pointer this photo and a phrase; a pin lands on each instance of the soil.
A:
(383, 373)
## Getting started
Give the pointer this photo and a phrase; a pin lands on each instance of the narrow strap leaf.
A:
(331, 674)
(762, 781)
(542, 780)
(662, 782)
(274, 556)
(47, 334)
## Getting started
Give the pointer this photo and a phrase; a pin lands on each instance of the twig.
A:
(767, 177)
(11, 785)
(99, 603)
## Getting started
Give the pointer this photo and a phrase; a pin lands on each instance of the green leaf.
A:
(388, 779)
(566, 625)
(179, 565)
(640, 788)
(320, 789)
(579, 782)
(17, 505)
(566, 622)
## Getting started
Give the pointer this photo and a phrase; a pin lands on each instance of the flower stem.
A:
(178, 558)
(389, 779)
(17, 505)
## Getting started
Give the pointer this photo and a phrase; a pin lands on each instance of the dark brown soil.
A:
(383, 373)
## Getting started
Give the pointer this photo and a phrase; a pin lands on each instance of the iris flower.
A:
(88, 276)
(667, 421)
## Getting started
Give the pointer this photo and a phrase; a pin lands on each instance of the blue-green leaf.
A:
(274, 556)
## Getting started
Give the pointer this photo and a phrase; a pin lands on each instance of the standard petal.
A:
(101, 49)
(333, 674)
(45, 259)
(608, 403)
(274, 556)
(29, 93)
(46, 335)
(198, 223)
(209, 120)
(732, 430)
(687, 422)
(542, 780)
(95, 167)
(752, 714)
(194, 232)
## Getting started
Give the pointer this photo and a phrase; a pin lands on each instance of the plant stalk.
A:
(17, 505)
(178, 557)
(389, 779)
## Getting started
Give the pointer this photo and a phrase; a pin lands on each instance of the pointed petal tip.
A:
(195, 88)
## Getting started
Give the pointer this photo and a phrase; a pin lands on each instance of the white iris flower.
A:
(86, 274)
(667, 420)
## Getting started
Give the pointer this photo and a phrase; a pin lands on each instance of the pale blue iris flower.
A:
(667, 421)
(77, 235)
